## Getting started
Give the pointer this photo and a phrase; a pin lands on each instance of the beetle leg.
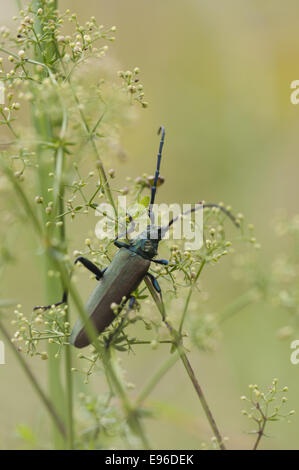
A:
(90, 266)
(132, 301)
(47, 307)
(160, 261)
(154, 282)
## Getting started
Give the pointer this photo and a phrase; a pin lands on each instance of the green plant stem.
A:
(177, 342)
(201, 397)
(149, 342)
(155, 379)
(44, 130)
(69, 394)
(59, 199)
(9, 125)
(36, 386)
(261, 426)
(59, 209)
(260, 435)
(110, 366)
(132, 413)
(189, 295)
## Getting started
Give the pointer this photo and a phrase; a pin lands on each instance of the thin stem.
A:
(149, 342)
(131, 412)
(262, 426)
(177, 342)
(189, 295)
(260, 435)
(69, 396)
(68, 352)
(202, 398)
(45, 131)
(98, 122)
(9, 125)
(59, 202)
(46, 401)
(155, 379)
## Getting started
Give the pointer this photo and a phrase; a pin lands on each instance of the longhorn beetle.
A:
(126, 271)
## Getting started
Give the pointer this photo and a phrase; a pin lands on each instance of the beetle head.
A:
(146, 248)
(146, 244)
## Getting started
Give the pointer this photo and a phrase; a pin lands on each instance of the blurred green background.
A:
(217, 75)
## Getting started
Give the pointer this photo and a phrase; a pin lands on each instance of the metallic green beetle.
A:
(128, 268)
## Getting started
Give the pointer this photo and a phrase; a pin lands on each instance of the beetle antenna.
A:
(154, 187)
(226, 212)
(163, 230)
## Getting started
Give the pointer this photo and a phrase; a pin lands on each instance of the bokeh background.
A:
(217, 75)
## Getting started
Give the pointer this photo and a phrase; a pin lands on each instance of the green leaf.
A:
(145, 201)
